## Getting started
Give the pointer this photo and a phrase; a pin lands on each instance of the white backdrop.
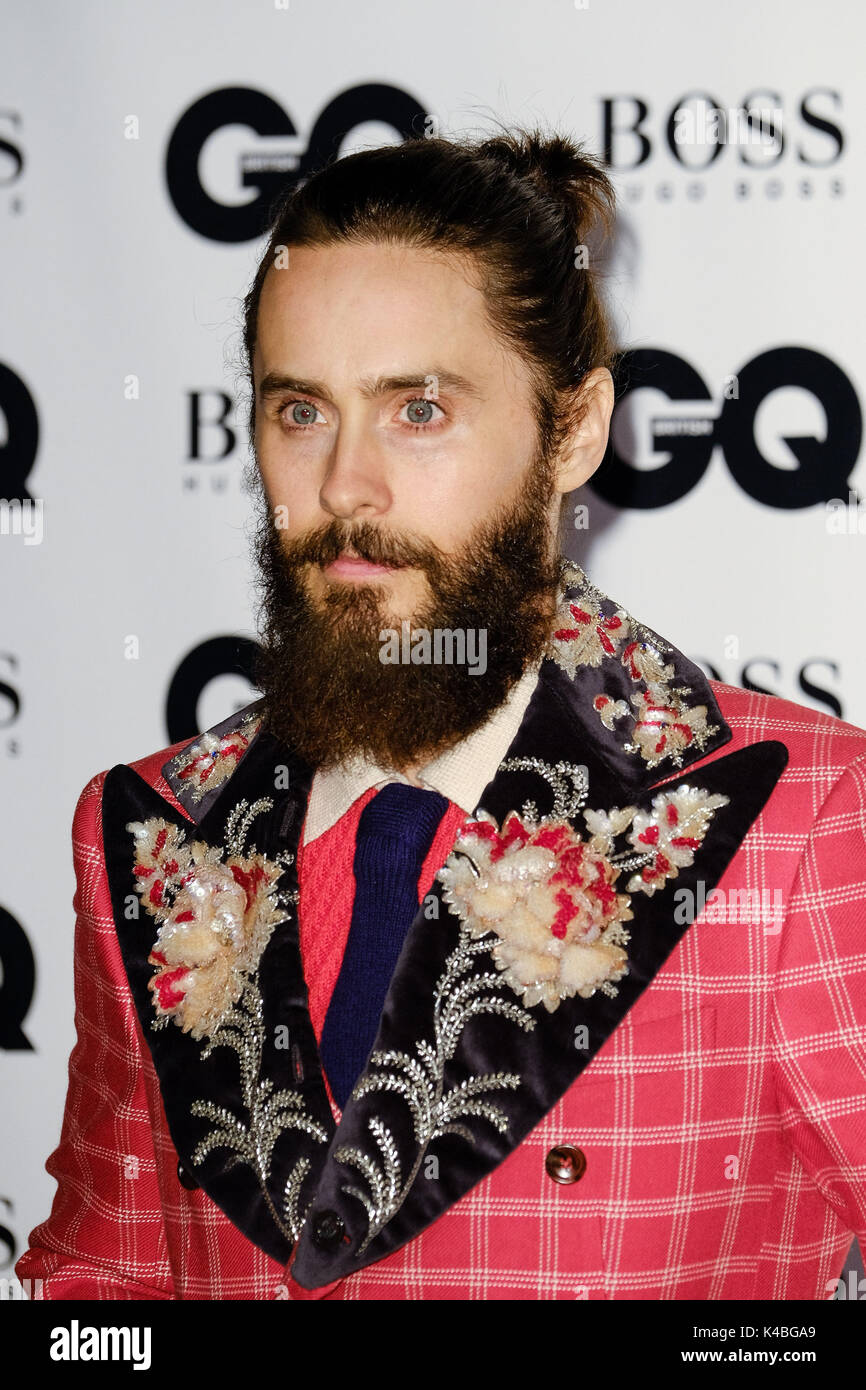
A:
(125, 255)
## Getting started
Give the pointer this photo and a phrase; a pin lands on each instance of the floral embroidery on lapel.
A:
(661, 724)
(216, 915)
(551, 897)
(542, 901)
(209, 761)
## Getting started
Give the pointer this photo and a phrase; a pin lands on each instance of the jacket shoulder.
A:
(813, 738)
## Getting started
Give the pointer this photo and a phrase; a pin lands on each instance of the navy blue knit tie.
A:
(395, 832)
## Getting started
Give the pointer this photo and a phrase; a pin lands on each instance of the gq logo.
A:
(11, 152)
(268, 173)
(684, 437)
(18, 454)
(211, 660)
(17, 983)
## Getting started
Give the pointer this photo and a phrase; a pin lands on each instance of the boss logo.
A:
(800, 129)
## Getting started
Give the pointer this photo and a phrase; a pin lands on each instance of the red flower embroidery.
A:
(551, 896)
(660, 724)
(209, 761)
(216, 916)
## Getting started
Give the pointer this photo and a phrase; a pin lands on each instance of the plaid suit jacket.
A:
(704, 1106)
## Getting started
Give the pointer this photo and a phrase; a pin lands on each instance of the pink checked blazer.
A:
(711, 1128)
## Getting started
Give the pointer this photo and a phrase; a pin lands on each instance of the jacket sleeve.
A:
(819, 1012)
(105, 1237)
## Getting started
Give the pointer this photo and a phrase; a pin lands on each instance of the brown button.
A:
(565, 1164)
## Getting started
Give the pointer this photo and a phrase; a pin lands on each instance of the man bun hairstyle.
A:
(524, 206)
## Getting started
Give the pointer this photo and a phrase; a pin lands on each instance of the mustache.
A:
(365, 539)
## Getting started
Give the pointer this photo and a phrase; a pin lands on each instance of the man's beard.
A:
(329, 695)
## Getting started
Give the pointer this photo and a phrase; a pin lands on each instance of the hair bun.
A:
(561, 169)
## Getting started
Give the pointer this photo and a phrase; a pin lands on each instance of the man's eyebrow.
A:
(275, 383)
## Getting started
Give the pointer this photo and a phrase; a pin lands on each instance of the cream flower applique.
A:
(553, 898)
(216, 915)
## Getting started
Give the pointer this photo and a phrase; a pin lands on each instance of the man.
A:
(495, 952)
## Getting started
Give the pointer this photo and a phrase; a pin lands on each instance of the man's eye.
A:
(302, 414)
(420, 410)
(299, 413)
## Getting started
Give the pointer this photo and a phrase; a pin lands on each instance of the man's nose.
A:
(355, 483)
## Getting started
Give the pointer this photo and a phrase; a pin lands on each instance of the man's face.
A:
(402, 479)
(383, 395)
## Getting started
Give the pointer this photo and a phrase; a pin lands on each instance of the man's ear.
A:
(584, 448)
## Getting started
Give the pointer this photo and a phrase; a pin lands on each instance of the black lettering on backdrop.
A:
(766, 133)
(824, 465)
(18, 979)
(811, 118)
(631, 132)
(7, 1238)
(18, 454)
(9, 694)
(245, 106)
(11, 152)
(745, 678)
(617, 480)
(704, 101)
(817, 692)
(198, 423)
(219, 656)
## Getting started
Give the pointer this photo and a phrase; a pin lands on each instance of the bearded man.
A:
(408, 980)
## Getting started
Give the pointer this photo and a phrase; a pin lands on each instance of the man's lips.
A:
(353, 567)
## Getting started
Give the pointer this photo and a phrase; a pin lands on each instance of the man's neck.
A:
(411, 776)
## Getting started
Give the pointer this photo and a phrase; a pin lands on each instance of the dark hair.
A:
(519, 202)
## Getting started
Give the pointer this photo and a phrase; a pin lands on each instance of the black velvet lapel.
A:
(371, 1172)
(289, 1056)
(545, 1058)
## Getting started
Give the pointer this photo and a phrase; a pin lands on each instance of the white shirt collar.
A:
(460, 774)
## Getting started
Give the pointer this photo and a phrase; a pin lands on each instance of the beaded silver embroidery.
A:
(236, 1023)
(268, 1113)
(569, 783)
(459, 997)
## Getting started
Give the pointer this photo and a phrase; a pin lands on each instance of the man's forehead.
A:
(319, 320)
(347, 274)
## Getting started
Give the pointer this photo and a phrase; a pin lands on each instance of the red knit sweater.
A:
(327, 891)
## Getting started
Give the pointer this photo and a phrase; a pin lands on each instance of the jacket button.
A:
(565, 1164)
(328, 1230)
(185, 1178)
